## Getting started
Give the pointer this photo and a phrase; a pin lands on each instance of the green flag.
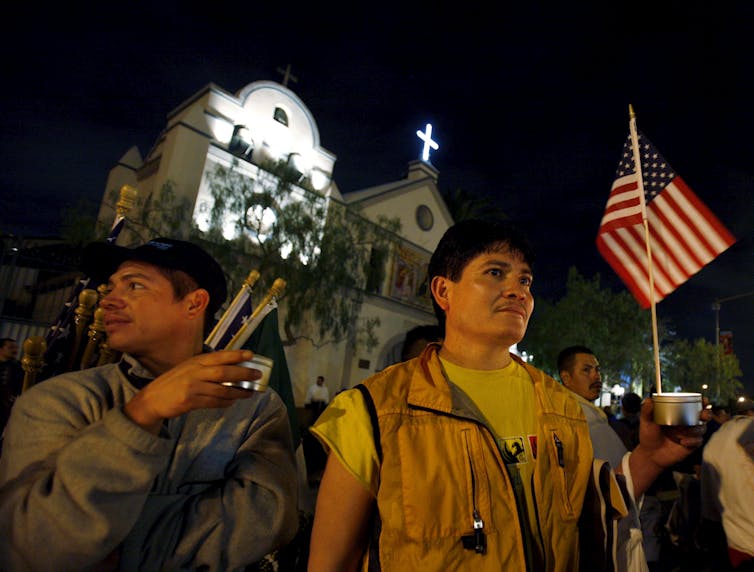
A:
(266, 341)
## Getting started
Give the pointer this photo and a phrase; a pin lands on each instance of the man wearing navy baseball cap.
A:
(150, 463)
(100, 260)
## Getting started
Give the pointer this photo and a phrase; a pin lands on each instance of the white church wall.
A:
(222, 111)
(395, 320)
(183, 156)
(405, 205)
(306, 362)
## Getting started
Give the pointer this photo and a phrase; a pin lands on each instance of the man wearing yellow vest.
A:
(466, 458)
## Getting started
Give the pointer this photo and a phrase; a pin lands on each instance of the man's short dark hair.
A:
(182, 283)
(630, 403)
(567, 357)
(466, 240)
(4, 341)
(429, 332)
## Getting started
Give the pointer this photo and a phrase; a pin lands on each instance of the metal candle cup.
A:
(677, 408)
(263, 364)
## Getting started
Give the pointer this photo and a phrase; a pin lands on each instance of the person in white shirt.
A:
(317, 395)
(727, 481)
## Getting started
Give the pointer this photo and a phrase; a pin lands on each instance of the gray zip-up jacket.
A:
(82, 486)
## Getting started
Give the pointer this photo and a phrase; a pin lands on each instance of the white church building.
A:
(265, 120)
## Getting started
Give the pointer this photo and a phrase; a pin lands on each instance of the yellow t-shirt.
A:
(345, 429)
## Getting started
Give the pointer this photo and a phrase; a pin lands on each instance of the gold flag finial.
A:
(631, 113)
(277, 288)
(126, 200)
(33, 360)
(244, 333)
(251, 279)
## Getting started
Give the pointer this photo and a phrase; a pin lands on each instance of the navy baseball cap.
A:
(100, 260)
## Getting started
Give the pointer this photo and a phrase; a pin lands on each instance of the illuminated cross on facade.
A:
(426, 136)
(287, 75)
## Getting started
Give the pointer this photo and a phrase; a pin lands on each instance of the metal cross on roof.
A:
(287, 75)
(426, 136)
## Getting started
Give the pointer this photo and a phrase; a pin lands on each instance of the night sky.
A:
(529, 104)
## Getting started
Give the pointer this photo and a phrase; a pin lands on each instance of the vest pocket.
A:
(444, 480)
(562, 456)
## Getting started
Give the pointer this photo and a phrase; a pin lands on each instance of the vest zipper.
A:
(559, 448)
(480, 539)
(560, 453)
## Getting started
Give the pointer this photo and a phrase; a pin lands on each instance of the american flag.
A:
(684, 235)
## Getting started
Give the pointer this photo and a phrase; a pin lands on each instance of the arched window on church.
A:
(281, 116)
(241, 143)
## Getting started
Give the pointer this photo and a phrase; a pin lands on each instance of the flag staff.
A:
(267, 303)
(235, 306)
(643, 203)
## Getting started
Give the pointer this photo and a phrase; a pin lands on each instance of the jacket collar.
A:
(430, 389)
(137, 374)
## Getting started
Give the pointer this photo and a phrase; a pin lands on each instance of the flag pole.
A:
(246, 289)
(643, 203)
(243, 334)
(126, 201)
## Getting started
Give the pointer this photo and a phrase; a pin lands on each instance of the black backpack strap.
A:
(372, 410)
(373, 556)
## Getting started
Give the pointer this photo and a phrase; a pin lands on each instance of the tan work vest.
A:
(442, 475)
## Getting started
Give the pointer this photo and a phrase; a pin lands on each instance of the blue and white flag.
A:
(237, 314)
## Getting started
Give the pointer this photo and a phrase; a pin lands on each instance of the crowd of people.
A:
(459, 457)
(695, 516)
